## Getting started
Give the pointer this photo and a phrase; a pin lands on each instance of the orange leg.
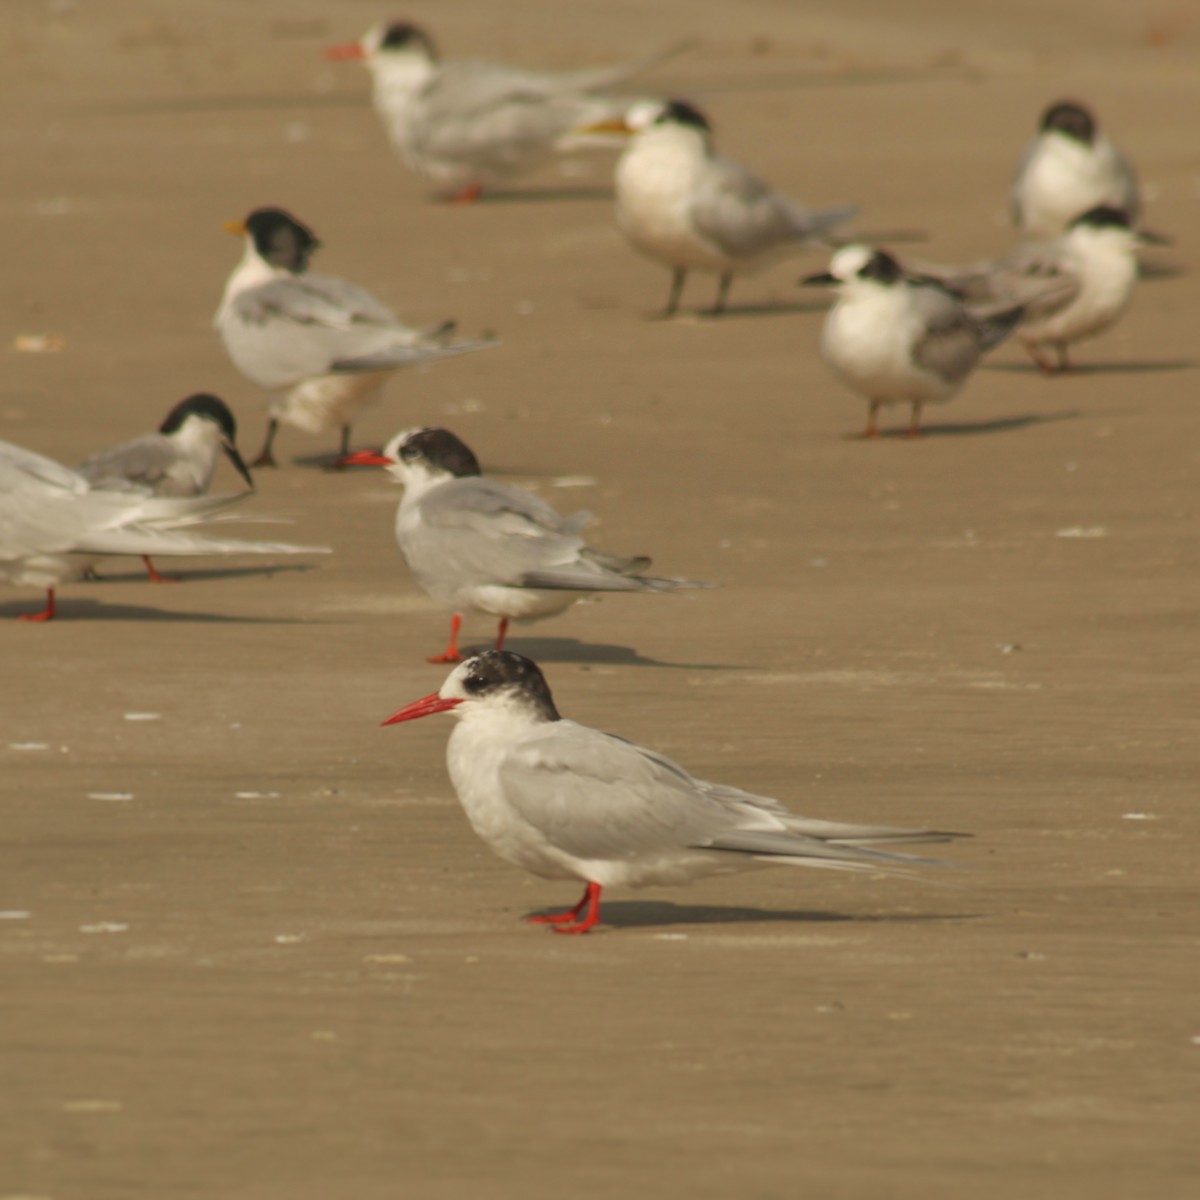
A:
(872, 429)
(451, 654)
(501, 634)
(571, 921)
(914, 424)
(155, 577)
(468, 194)
(47, 614)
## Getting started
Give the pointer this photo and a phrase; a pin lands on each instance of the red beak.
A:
(366, 458)
(425, 707)
(347, 52)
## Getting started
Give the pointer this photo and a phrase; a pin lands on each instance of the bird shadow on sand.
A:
(968, 428)
(651, 914)
(571, 650)
(1105, 368)
(194, 575)
(732, 312)
(542, 195)
(73, 609)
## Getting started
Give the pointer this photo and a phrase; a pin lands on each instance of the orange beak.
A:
(426, 706)
(237, 228)
(347, 52)
(614, 125)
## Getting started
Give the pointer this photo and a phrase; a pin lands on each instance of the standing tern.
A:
(179, 460)
(1072, 288)
(899, 338)
(52, 520)
(323, 345)
(567, 802)
(682, 204)
(478, 545)
(464, 125)
(1069, 168)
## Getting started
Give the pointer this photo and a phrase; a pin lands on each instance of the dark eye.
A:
(474, 684)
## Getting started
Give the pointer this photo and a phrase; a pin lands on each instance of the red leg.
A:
(468, 194)
(501, 634)
(451, 654)
(914, 424)
(155, 577)
(562, 922)
(872, 429)
(47, 614)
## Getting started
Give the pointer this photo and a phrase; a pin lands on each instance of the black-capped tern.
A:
(475, 544)
(465, 125)
(901, 339)
(180, 459)
(682, 204)
(324, 346)
(564, 801)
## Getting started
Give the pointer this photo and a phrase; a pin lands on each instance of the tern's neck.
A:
(418, 480)
(250, 272)
(398, 76)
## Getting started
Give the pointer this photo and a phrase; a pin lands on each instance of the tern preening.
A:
(567, 802)
(179, 459)
(53, 523)
(479, 545)
(465, 125)
(325, 347)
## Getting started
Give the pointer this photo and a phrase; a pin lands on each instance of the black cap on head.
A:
(440, 448)
(681, 112)
(883, 267)
(1070, 119)
(398, 35)
(201, 404)
(281, 240)
(494, 671)
(1103, 216)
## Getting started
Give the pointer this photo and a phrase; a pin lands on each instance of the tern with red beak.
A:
(465, 125)
(479, 545)
(567, 802)
(324, 346)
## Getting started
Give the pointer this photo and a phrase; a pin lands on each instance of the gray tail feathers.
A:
(996, 326)
(597, 79)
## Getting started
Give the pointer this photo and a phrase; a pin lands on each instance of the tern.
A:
(53, 521)
(899, 338)
(1069, 168)
(475, 544)
(567, 802)
(179, 460)
(464, 124)
(323, 345)
(682, 204)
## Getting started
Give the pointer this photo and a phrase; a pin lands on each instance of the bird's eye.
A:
(474, 684)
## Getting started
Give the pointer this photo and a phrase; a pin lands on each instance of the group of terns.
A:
(550, 795)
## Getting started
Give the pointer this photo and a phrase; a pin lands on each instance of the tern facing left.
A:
(684, 205)
(899, 338)
(564, 801)
(324, 346)
(179, 460)
(477, 544)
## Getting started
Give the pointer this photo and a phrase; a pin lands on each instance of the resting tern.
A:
(53, 520)
(567, 802)
(1069, 168)
(323, 345)
(478, 545)
(179, 460)
(1073, 287)
(682, 204)
(899, 338)
(465, 124)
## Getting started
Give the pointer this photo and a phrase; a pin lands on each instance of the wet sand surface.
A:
(251, 947)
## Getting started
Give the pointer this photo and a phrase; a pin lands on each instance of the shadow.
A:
(774, 308)
(1110, 368)
(538, 195)
(651, 914)
(969, 428)
(213, 573)
(72, 609)
(571, 650)
(1156, 270)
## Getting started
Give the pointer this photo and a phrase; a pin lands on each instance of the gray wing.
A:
(952, 342)
(598, 796)
(740, 215)
(144, 462)
(297, 328)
